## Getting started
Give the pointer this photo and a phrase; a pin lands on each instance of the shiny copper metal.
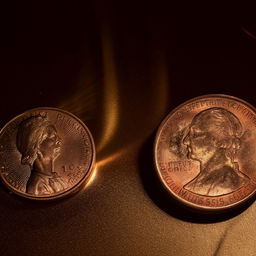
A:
(45, 153)
(205, 152)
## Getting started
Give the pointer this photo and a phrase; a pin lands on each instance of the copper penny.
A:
(45, 153)
(205, 152)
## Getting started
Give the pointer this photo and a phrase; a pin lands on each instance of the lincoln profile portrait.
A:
(39, 146)
(214, 138)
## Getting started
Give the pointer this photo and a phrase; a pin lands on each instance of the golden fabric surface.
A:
(121, 66)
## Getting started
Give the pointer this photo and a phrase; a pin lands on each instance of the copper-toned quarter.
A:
(205, 152)
(45, 153)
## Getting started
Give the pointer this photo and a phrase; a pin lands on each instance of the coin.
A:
(205, 152)
(45, 153)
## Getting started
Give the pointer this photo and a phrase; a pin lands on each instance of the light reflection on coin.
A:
(45, 153)
(205, 152)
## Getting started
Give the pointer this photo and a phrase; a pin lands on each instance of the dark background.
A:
(121, 66)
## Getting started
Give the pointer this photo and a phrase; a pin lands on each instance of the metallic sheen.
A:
(204, 152)
(121, 67)
(46, 153)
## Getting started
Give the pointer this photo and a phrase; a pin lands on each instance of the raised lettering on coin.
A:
(205, 152)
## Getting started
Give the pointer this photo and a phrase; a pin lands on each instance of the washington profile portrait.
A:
(213, 138)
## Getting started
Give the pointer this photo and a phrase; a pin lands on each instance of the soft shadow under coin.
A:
(158, 194)
(14, 201)
(22, 213)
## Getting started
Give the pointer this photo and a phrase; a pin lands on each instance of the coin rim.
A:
(181, 200)
(72, 189)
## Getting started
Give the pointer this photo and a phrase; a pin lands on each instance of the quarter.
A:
(205, 152)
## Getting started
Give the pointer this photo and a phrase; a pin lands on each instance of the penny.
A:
(45, 153)
(205, 152)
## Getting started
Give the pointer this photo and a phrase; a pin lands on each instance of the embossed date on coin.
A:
(45, 153)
